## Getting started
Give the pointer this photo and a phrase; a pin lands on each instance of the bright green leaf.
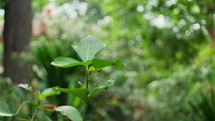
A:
(92, 68)
(4, 110)
(88, 47)
(70, 112)
(119, 63)
(49, 92)
(101, 87)
(79, 92)
(66, 62)
(101, 63)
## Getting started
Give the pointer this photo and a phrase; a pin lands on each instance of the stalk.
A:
(34, 114)
(18, 110)
(86, 95)
(37, 104)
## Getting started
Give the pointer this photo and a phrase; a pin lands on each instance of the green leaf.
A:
(88, 47)
(25, 86)
(70, 112)
(49, 92)
(101, 63)
(119, 63)
(4, 110)
(92, 68)
(66, 62)
(102, 87)
(79, 92)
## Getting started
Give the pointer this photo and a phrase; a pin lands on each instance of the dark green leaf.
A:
(79, 92)
(4, 110)
(66, 62)
(70, 112)
(101, 63)
(101, 87)
(88, 47)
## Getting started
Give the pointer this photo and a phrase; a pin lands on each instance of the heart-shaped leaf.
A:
(70, 112)
(66, 62)
(79, 92)
(4, 110)
(49, 92)
(101, 87)
(88, 47)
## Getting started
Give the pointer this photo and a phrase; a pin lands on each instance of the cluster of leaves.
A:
(37, 99)
(43, 50)
(87, 48)
(158, 56)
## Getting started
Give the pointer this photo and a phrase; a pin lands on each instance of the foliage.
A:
(164, 42)
(44, 50)
(36, 101)
(203, 104)
(87, 54)
(41, 53)
(2, 3)
(87, 49)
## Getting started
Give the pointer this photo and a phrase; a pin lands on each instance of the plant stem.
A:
(18, 110)
(34, 114)
(91, 76)
(37, 104)
(86, 95)
(21, 107)
(87, 79)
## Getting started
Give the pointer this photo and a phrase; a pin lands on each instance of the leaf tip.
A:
(74, 46)
(53, 63)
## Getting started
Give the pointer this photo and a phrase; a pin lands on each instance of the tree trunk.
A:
(211, 32)
(17, 35)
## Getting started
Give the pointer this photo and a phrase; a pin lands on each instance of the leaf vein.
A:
(87, 49)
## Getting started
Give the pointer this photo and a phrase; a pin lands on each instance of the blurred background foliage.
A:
(167, 45)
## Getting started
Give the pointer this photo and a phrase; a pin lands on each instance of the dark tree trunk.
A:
(17, 35)
(211, 32)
